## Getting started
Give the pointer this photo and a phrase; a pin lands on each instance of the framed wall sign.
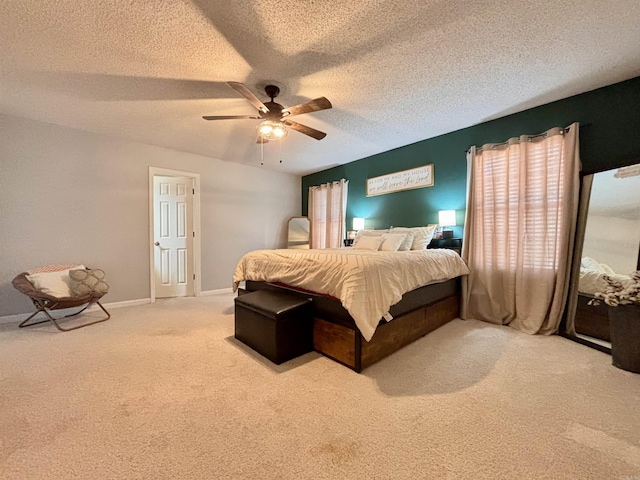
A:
(405, 180)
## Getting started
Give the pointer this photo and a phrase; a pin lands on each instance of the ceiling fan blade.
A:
(312, 132)
(248, 94)
(307, 107)
(261, 140)
(230, 117)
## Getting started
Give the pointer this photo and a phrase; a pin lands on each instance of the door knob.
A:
(157, 244)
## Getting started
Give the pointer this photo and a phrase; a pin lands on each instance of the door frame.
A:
(195, 215)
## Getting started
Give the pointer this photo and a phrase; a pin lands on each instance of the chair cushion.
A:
(88, 282)
(56, 283)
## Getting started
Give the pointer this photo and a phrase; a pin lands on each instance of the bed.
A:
(366, 304)
(593, 320)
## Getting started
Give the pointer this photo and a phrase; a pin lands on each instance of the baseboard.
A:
(126, 303)
(219, 291)
(109, 306)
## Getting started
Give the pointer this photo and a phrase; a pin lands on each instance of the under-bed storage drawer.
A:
(335, 341)
(346, 345)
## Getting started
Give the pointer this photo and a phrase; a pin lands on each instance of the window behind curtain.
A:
(327, 212)
(518, 202)
(521, 213)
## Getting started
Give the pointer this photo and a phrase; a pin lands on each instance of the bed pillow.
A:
(56, 284)
(368, 233)
(368, 242)
(422, 236)
(88, 282)
(391, 242)
(405, 246)
(589, 263)
(433, 228)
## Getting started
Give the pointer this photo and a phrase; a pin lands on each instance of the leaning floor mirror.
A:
(607, 243)
(298, 233)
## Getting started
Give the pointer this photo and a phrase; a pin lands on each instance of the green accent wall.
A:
(609, 138)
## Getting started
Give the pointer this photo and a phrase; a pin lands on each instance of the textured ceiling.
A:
(396, 71)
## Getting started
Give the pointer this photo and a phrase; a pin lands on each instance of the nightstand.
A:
(454, 244)
(348, 242)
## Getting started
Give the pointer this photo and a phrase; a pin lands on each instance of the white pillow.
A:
(368, 242)
(56, 284)
(368, 233)
(589, 263)
(422, 236)
(391, 241)
(408, 241)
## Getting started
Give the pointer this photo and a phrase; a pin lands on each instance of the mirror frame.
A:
(567, 325)
(289, 229)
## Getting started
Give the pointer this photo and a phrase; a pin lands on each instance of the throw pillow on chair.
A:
(88, 282)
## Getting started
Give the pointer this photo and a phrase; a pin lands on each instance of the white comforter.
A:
(592, 276)
(367, 283)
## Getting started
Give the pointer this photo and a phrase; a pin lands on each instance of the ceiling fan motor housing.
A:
(272, 91)
(275, 109)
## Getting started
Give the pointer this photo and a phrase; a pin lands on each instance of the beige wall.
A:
(612, 241)
(68, 196)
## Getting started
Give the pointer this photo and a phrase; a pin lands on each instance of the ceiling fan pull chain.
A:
(261, 153)
(280, 144)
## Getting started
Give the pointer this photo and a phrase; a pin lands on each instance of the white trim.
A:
(219, 291)
(124, 303)
(65, 311)
(197, 285)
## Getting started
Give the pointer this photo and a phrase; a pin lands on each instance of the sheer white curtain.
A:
(327, 212)
(522, 203)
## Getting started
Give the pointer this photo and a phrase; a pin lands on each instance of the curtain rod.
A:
(335, 182)
(530, 137)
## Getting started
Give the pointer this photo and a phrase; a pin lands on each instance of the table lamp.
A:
(447, 218)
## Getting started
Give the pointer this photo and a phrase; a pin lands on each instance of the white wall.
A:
(613, 241)
(612, 235)
(68, 196)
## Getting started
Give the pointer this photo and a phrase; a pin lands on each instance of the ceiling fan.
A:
(275, 116)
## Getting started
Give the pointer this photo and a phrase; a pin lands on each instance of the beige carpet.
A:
(164, 391)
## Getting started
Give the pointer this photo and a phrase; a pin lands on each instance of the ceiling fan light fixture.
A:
(272, 130)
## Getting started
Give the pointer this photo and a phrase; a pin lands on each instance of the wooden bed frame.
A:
(336, 336)
(592, 320)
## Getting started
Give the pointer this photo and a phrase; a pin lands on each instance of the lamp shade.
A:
(358, 224)
(447, 218)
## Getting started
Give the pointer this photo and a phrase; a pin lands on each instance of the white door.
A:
(173, 233)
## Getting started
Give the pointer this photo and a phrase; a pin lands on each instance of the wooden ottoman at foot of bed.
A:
(346, 345)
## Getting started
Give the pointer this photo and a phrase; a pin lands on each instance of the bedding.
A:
(422, 236)
(592, 276)
(392, 241)
(368, 233)
(417, 238)
(367, 283)
(369, 243)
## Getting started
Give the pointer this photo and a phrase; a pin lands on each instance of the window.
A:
(327, 211)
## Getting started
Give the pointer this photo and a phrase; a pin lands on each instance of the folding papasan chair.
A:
(71, 286)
